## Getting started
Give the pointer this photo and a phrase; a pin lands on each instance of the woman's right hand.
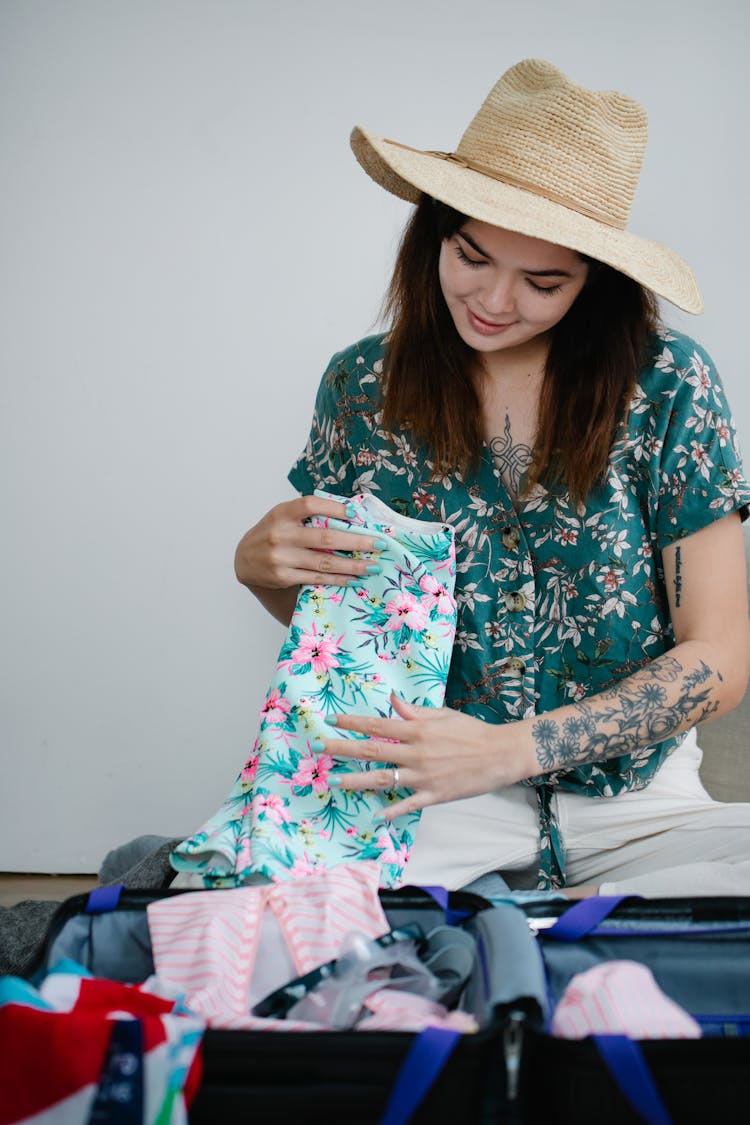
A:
(282, 552)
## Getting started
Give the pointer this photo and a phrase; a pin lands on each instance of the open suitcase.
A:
(512, 1070)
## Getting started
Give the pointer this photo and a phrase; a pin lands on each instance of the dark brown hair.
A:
(596, 352)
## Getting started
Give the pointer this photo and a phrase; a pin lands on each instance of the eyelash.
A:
(543, 290)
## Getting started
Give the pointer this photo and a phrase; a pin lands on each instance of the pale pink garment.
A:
(205, 943)
(620, 998)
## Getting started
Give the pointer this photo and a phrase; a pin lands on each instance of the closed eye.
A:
(469, 261)
(546, 290)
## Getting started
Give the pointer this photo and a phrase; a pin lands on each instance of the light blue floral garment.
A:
(556, 601)
(346, 650)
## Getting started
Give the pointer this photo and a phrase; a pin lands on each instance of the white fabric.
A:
(672, 823)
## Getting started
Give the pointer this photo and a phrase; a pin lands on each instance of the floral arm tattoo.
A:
(636, 713)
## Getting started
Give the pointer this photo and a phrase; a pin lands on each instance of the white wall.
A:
(185, 238)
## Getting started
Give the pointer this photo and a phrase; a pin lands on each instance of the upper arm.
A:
(706, 587)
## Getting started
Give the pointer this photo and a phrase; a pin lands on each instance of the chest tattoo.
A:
(512, 459)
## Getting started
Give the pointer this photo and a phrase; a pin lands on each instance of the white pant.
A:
(669, 838)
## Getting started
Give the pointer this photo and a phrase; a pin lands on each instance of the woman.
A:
(584, 456)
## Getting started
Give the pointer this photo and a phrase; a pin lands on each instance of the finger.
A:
(361, 750)
(294, 566)
(329, 539)
(377, 780)
(304, 507)
(411, 804)
(413, 711)
(372, 725)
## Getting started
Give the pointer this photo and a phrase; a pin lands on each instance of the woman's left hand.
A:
(441, 755)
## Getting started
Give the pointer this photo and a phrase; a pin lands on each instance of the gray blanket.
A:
(143, 864)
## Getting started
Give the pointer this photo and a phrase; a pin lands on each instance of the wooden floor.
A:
(54, 888)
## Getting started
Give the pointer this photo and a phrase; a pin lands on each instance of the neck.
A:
(515, 365)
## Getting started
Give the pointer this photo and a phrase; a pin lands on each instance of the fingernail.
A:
(332, 720)
(379, 544)
(351, 511)
(374, 568)
(334, 782)
(317, 745)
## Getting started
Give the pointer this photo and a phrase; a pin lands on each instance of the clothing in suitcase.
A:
(512, 1069)
(698, 951)
(325, 1076)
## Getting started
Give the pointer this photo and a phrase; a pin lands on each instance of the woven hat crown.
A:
(539, 131)
(545, 158)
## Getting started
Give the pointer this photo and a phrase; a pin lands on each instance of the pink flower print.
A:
(243, 858)
(276, 707)
(391, 854)
(271, 806)
(249, 770)
(313, 771)
(303, 865)
(568, 535)
(435, 596)
(318, 650)
(351, 831)
(723, 433)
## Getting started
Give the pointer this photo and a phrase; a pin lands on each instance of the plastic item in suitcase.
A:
(335, 1076)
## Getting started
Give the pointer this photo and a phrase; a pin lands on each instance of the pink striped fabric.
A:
(316, 914)
(205, 943)
(620, 998)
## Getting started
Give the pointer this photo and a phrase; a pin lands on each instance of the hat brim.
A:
(408, 173)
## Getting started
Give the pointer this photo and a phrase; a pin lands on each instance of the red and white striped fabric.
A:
(205, 944)
(620, 998)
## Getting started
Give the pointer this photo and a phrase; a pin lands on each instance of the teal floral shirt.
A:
(556, 600)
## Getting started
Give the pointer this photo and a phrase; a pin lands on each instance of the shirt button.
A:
(511, 537)
(515, 666)
(515, 602)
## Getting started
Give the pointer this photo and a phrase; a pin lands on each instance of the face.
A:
(505, 290)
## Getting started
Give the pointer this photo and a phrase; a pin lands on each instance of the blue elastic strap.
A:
(580, 919)
(452, 917)
(103, 899)
(419, 1071)
(624, 1060)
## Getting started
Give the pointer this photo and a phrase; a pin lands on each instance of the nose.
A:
(498, 295)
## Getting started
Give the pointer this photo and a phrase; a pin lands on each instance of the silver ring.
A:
(395, 777)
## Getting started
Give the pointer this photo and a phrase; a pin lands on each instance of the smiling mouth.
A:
(487, 327)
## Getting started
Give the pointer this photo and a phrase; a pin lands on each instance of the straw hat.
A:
(546, 158)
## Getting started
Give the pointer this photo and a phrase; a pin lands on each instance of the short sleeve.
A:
(344, 398)
(700, 474)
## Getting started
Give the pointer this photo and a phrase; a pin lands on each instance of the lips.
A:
(486, 327)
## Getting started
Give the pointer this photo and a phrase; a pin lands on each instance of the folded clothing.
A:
(620, 998)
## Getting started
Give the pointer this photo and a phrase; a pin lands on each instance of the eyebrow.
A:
(532, 273)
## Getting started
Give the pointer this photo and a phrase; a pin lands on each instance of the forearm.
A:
(280, 603)
(666, 697)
